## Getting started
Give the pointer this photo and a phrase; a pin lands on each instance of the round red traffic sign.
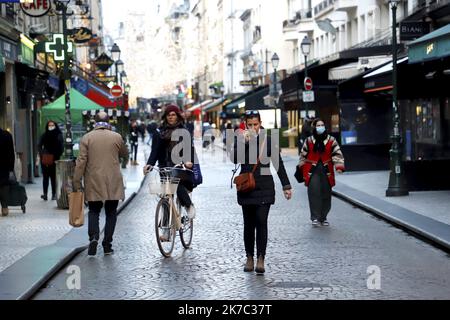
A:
(116, 91)
(308, 83)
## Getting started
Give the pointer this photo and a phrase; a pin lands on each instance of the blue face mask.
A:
(320, 130)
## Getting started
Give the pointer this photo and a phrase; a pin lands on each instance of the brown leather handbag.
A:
(47, 159)
(245, 182)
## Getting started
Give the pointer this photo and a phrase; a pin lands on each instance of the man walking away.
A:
(99, 164)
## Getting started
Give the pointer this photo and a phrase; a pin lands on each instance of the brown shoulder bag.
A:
(245, 182)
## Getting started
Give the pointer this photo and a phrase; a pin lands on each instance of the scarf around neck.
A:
(319, 146)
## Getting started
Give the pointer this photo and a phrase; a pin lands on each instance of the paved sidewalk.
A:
(426, 213)
(43, 223)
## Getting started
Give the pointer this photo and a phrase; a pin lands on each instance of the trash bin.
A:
(64, 178)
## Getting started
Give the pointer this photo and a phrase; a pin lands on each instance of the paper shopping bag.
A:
(76, 209)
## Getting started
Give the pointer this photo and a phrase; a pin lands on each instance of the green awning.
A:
(55, 111)
(432, 46)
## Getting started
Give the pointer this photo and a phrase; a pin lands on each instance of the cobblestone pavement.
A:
(44, 224)
(301, 263)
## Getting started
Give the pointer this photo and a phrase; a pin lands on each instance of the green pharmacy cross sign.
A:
(56, 47)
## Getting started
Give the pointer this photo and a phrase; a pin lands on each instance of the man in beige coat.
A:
(99, 163)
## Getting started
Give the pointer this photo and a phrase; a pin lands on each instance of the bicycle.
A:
(169, 216)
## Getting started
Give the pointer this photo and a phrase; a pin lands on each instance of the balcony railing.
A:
(326, 4)
(299, 16)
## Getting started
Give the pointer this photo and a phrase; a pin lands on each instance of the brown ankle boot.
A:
(260, 265)
(5, 212)
(249, 265)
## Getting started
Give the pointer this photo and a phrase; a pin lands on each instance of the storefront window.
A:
(363, 124)
(427, 131)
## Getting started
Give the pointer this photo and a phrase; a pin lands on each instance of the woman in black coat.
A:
(51, 142)
(6, 166)
(162, 147)
(256, 204)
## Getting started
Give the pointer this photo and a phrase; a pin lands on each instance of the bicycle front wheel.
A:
(164, 228)
(186, 229)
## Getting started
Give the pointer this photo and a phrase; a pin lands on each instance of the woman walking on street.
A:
(319, 155)
(134, 141)
(256, 203)
(50, 149)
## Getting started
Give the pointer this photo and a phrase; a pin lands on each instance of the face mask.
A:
(51, 128)
(320, 130)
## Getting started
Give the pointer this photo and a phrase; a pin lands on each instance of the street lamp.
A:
(275, 61)
(306, 49)
(397, 185)
(115, 52)
(123, 78)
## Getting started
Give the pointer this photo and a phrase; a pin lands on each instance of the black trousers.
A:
(255, 218)
(111, 218)
(319, 194)
(183, 195)
(4, 194)
(49, 173)
(134, 148)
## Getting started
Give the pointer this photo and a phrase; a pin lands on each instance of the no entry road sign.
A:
(116, 91)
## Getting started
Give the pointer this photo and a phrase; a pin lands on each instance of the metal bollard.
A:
(64, 178)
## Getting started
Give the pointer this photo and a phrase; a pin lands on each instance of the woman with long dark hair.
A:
(256, 203)
(50, 149)
(319, 156)
(162, 147)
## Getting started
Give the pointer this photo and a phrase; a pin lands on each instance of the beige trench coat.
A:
(99, 163)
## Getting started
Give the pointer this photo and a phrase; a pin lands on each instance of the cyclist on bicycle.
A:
(162, 146)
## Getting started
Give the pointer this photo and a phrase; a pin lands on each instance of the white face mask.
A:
(320, 130)
(51, 128)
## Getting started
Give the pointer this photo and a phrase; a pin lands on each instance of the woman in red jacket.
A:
(319, 156)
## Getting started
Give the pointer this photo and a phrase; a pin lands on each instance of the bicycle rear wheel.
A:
(186, 229)
(164, 228)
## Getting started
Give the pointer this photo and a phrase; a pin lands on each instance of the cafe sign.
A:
(36, 8)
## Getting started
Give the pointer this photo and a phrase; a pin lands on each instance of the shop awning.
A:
(55, 111)
(385, 68)
(380, 79)
(198, 105)
(216, 105)
(255, 101)
(95, 93)
(434, 45)
(344, 72)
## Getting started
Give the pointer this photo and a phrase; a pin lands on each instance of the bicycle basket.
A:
(163, 184)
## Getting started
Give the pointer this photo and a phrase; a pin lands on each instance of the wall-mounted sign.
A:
(56, 47)
(104, 62)
(411, 30)
(245, 83)
(106, 79)
(38, 8)
(80, 35)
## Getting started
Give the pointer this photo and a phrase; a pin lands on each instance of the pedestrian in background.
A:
(319, 155)
(99, 165)
(6, 167)
(256, 204)
(50, 148)
(134, 142)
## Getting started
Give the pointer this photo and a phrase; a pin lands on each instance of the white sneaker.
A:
(191, 211)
